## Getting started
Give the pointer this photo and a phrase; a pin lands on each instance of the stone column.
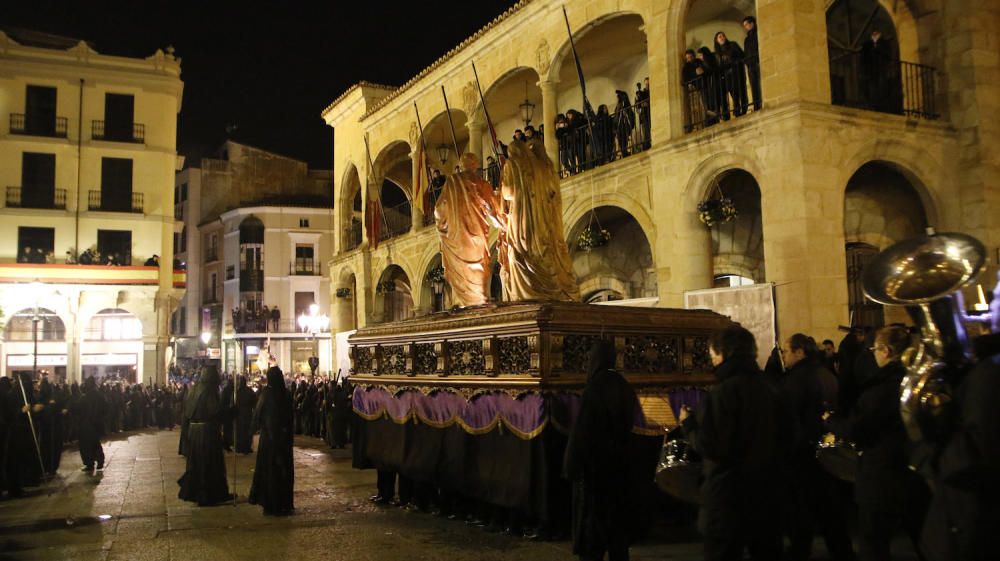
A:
(794, 62)
(416, 216)
(476, 126)
(684, 245)
(550, 109)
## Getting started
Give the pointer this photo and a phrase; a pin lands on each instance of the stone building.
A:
(838, 158)
(255, 226)
(87, 157)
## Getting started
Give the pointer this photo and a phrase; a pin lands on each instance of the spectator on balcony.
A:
(518, 135)
(492, 172)
(692, 76)
(564, 142)
(734, 81)
(531, 134)
(437, 179)
(265, 316)
(578, 127)
(275, 318)
(711, 88)
(624, 122)
(50, 257)
(25, 255)
(752, 56)
(642, 108)
(88, 257)
(876, 67)
(70, 257)
(39, 256)
(153, 261)
(604, 140)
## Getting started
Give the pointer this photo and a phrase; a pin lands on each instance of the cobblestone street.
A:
(131, 511)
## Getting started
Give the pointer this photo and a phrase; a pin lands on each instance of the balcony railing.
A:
(396, 221)
(137, 135)
(59, 273)
(245, 321)
(721, 93)
(615, 136)
(352, 235)
(96, 201)
(20, 124)
(211, 254)
(879, 84)
(16, 199)
(210, 296)
(304, 267)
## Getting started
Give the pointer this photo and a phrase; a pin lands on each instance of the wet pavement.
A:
(131, 511)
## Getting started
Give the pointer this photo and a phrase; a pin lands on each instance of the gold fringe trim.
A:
(497, 420)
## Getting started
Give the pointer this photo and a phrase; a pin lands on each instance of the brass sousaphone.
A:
(925, 272)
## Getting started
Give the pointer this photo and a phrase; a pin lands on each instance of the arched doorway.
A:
(718, 84)
(618, 266)
(112, 347)
(19, 337)
(393, 295)
(614, 58)
(738, 245)
(351, 212)
(881, 207)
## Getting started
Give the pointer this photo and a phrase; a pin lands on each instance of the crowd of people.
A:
(254, 319)
(716, 80)
(89, 256)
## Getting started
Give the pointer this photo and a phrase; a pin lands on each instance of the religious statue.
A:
(464, 211)
(533, 255)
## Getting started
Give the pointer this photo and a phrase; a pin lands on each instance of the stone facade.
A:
(801, 149)
(54, 100)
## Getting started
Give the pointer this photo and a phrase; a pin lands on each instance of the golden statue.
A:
(464, 212)
(533, 255)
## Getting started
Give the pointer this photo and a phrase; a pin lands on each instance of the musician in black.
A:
(807, 390)
(738, 430)
(888, 493)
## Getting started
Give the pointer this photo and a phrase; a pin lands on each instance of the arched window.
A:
(50, 326)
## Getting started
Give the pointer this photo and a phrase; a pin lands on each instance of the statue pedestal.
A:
(534, 347)
(478, 402)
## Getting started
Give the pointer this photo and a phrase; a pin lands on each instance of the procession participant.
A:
(245, 402)
(204, 480)
(274, 474)
(89, 415)
(737, 430)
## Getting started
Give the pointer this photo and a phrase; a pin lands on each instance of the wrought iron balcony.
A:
(97, 201)
(396, 221)
(19, 198)
(880, 84)
(608, 137)
(137, 135)
(352, 235)
(21, 124)
(304, 267)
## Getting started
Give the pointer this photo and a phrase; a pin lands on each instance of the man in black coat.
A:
(738, 430)
(876, 69)
(751, 55)
(204, 480)
(807, 390)
(597, 460)
(89, 413)
(245, 402)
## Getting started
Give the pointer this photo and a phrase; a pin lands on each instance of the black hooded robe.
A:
(245, 402)
(274, 474)
(204, 480)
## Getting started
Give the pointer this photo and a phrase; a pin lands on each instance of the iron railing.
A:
(99, 132)
(97, 201)
(20, 124)
(396, 221)
(615, 136)
(721, 93)
(304, 267)
(352, 235)
(879, 84)
(18, 198)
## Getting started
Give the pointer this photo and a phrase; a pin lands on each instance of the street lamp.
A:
(206, 336)
(313, 323)
(527, 108)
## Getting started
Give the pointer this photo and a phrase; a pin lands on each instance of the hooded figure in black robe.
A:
(89, 412)
(228, 402)
(245, 402)
(274, 475)
(204, 480)
(597, 460)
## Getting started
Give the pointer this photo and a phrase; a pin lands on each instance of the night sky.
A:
(267, 71)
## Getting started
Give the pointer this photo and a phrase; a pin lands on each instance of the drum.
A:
(679, 471)
(838, 457)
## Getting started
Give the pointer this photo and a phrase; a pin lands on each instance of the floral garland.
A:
(343, 292)
(436, 274)
(385, 287)
(593, 237)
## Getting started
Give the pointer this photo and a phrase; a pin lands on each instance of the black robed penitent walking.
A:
(274, 475)
(204, 480)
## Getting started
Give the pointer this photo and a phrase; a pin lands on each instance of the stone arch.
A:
(393, 163)
(437, 134)
(429, 300)
(625, 264)
(699, 185)
(918, 166)
(901, 14)
(504, 97)
(393, 295)
(350, 211)
(738, 245)
(116, 336)
(614, 54)
(581, 207)
(19, 326)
